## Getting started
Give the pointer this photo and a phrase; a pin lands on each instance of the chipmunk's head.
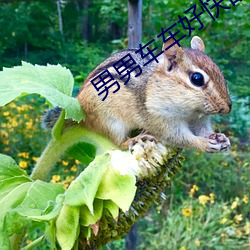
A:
(193, 79)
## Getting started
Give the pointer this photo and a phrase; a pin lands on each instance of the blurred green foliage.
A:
(30, 32)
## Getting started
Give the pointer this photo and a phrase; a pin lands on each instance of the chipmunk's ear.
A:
(174, 52)
(197, 43)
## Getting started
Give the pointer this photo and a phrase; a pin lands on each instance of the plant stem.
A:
(57, 147)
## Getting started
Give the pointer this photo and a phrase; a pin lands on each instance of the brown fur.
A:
(160, 101)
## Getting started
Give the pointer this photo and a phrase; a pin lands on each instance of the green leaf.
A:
(4, 240)
(53, 82)
(6, 186)
(39, 194)
(20, 197)
(118, 188)
(14, 198)
(86, 231)
(8, 221)
(83, 189)
(83, 152)
(46, 216)
(26, 202)
(67, 226)
(9, 168)
(86, 218)
(58, 127)
(50, 234)
(14, 223)
(112, 208)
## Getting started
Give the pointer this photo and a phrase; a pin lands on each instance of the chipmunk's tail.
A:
(50, 118)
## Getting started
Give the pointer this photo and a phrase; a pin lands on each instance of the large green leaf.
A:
(47, 215)
(86, 218)
(118, 188)
(14, 198)
(6, 186)
(83, 189)
(67, 226)
(53, 82)
(9, 168)
(20, 197)
(112, 208)
(39, 194)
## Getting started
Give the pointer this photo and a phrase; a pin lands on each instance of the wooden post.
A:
(58, 2)
(85, 20)
(131, 238)
(134, 23)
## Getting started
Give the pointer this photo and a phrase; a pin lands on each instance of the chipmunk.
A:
(171, 100)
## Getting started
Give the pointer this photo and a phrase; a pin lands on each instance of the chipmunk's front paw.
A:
(218, 142)
(141, 139)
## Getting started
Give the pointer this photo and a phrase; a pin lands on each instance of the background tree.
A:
(134, 23)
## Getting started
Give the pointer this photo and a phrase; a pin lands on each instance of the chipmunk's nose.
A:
(230, 106)
(226, 109)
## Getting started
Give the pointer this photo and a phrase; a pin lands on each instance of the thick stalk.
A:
(57, 147)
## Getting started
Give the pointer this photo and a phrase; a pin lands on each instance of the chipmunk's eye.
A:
(197, 79)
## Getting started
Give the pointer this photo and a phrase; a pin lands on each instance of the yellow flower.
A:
(203, 199)
(223, 220)
(6, 141)
(197, 242)
(23, 164)
(23, 107)
(234, 152)
(247, 227)
(12, 105)
(65, 185)
(193, 190)
(238, 218)
(4, 134)
(187, 211)
(77, 162)
(235, 203)
(14, 123)
(70, 178)
(245, 199)
(182, 248)
(35, 159)
(224, 164)
(73, 168)
(24, 154)
(29, 124)
(211, 195)
(55, 178)
(65, 163)
(6, 113)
